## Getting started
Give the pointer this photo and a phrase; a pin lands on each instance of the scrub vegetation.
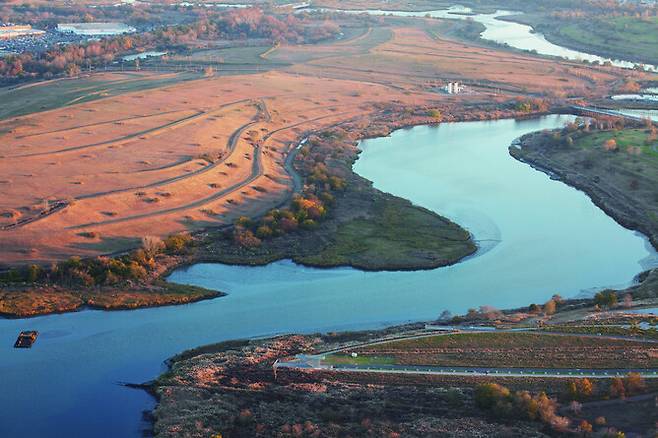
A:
(237, 387)
(124, 282)
(396, 231)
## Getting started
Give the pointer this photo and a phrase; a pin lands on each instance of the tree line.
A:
(239, 24)
(102, 271)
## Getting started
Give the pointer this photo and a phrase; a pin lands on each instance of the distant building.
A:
(298, 5)
(96, 29)
(15, 31)
(454, 88)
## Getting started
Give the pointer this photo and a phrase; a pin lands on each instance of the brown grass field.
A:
(94, 177)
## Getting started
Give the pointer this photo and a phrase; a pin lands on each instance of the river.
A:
(538, 237)
(516, 35)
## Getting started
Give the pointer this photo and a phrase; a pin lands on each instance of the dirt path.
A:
(256, 172)
(125, 119)
(151, 131)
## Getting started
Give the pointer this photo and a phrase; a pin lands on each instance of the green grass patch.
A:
(397, 235)
(624, 139)
(346, 359)
(625, 36)
(229, 55)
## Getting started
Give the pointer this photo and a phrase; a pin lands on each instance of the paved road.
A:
(314, 362)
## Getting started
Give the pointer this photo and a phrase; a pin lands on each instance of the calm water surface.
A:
(538, 237)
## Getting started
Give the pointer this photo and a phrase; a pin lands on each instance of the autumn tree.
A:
(152, 245)
(580, 389)
(617, 389)
(585, 427)
(606, 298)
(610, 145)
(635, 383)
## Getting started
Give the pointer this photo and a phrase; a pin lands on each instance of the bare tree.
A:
(152, 245)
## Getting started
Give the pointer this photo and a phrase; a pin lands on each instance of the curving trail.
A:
(122, 140)
(60, 205)
(256, 172)
(89, 125)
(114, 142)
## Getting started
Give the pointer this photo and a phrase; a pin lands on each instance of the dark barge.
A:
(26, 339)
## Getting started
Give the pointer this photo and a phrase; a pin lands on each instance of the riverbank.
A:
(589, 36)
(44, 300)
(242, 397)
(317, 384)
(364, 228)
(618, 170)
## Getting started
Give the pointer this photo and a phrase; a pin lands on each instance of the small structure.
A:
(26, 339)
(454, 88)
(15, 31)
(96, 29)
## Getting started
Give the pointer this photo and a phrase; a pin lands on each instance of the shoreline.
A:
(194, 258)
(297, 245)
(582, 184)
(85, 307)
(221, 366)
(567, 43)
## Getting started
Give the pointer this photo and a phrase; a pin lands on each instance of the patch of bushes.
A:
(519, 405)
(307, 209)
(76, 271)
(606, 298)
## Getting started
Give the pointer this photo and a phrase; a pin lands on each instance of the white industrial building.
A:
(454, 88)
(15, 31)
(96, 29)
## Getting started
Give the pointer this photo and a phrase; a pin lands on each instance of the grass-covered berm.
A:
(511, 349)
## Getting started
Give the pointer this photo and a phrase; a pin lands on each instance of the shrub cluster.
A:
(532, 105)
(305, 212)
(606, 298)
(102, 270)
(307, 209)
(520, 405)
